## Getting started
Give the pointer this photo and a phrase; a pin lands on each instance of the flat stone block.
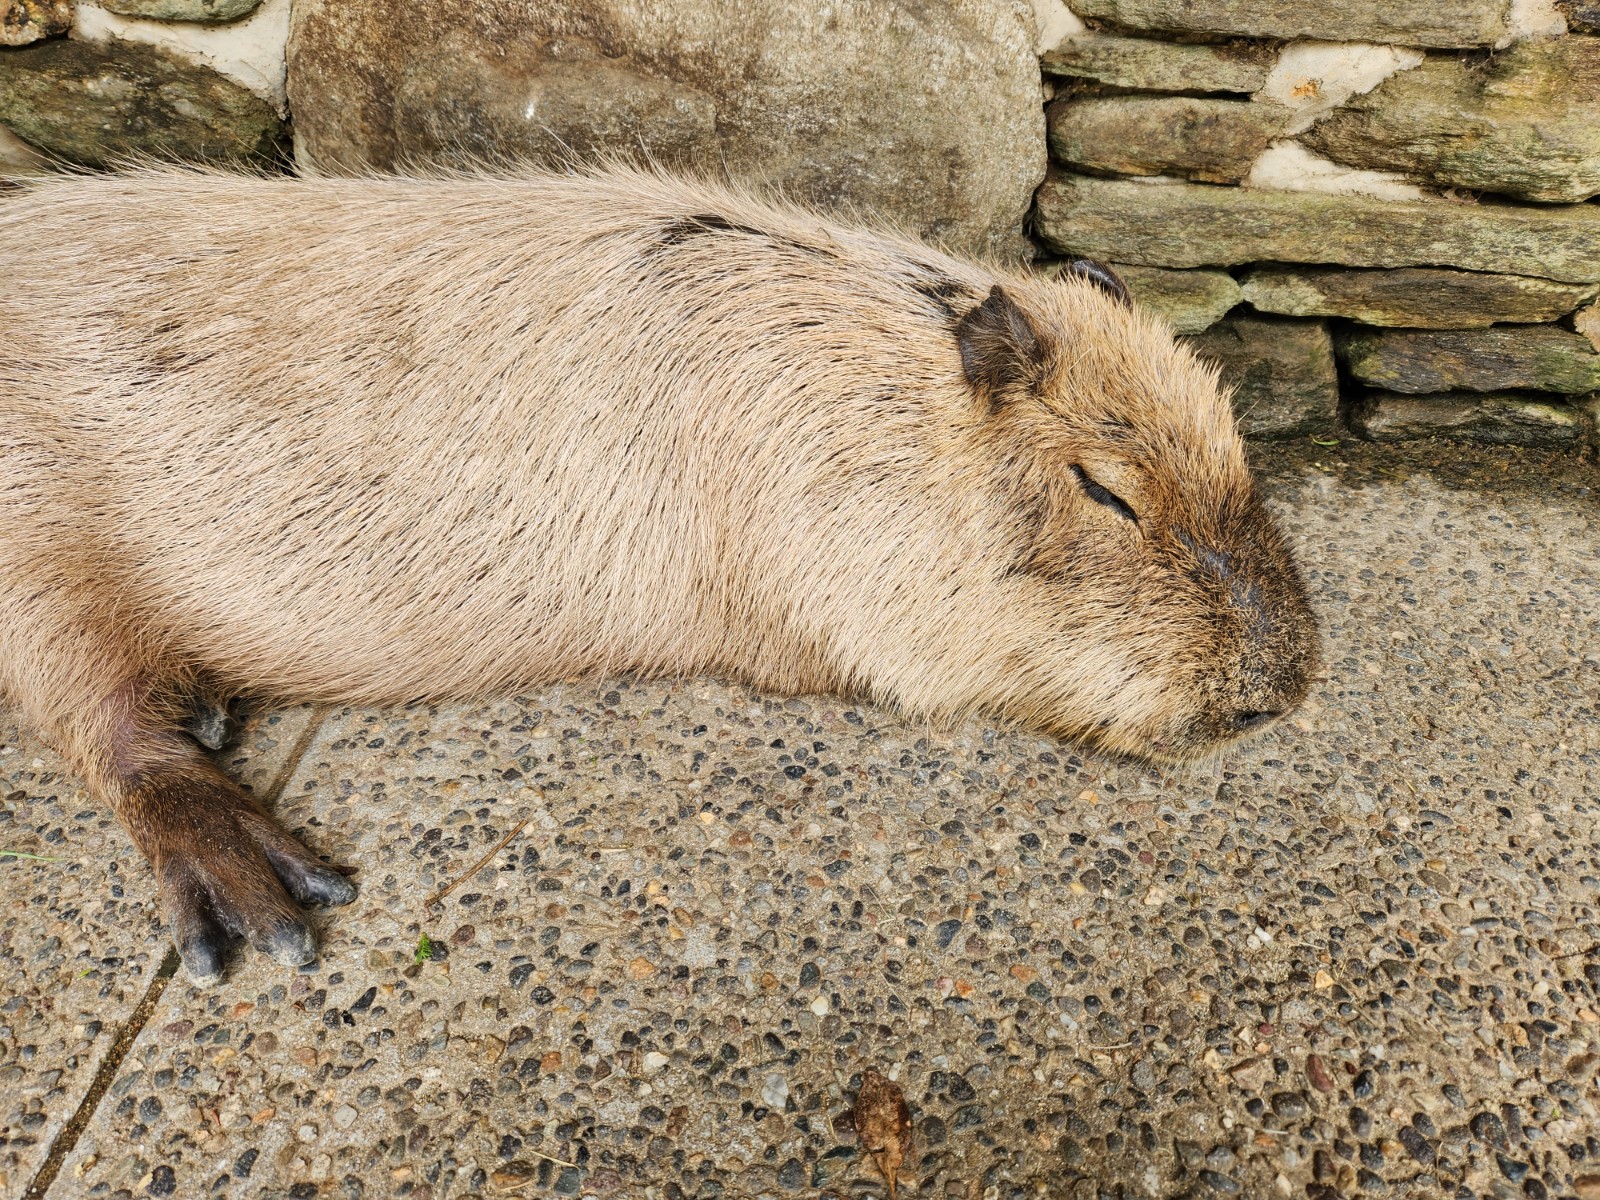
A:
(1194, 225)
(1211, 140)
(1522, 124)
(1282, 372)
(1190, 301)
(80, 936)
(1156, 66)
(1497, 417)
(90, 105)
(1535, 357)
(1413, 297)
(1447, 23)
(205, 11)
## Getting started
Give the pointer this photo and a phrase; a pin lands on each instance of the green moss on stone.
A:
(92, 106)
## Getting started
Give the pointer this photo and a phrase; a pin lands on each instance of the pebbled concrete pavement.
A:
(1358, 957)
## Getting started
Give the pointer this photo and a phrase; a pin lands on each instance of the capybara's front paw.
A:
(226, 870)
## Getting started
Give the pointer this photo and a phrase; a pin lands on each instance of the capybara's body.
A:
(384, 439)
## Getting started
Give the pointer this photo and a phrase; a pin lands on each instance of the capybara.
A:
(382, 439)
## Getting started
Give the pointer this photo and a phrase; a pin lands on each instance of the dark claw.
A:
(201, 952)
(306, 879)
(315, 885)
(200, 939)
(208, 723)
(290, 942)
(311, 882)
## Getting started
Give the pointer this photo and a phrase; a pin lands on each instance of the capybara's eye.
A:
(1104, 496)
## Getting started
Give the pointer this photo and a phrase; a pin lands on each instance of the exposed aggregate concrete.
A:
(1356, 957)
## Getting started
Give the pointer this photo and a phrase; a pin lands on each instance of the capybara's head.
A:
(1173, 618)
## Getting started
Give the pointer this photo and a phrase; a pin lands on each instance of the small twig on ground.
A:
(550, 1158)
(473, 870)
(1575, 953)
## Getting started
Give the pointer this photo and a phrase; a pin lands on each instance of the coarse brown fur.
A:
(389, 438)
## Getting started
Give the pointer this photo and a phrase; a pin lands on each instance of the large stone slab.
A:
(726, 906)
(1445, 23)
(80, 937)
(1536, 357)
(207, 11)
(1189, 301)
(1522, 124)
(91, 105)
(25, 21)
(1282, 372)
(1205, 139)
(1194, 225)
(927, 116)
(1413, 297)
(1503, 418)
(1157, 66)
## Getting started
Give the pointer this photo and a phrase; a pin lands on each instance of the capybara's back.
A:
(384, 438)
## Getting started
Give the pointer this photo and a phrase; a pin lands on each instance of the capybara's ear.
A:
(999, 346)
(1102, 276)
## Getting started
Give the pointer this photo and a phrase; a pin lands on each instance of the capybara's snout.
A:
(1216, 661)
(1268, 646)
(1269, 672)
(1246, 656)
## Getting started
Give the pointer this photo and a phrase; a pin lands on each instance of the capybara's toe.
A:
(201, 953)
(289, 942)
(309, 881)
(201, 940)
(306, 879)
(319, 885)
(255, 902)
(209, 723)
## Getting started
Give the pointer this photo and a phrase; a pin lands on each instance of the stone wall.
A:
(1379, 216)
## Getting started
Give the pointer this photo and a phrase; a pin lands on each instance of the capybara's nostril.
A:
(1252, 719)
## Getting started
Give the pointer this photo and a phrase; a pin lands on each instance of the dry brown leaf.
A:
(883, 1124)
